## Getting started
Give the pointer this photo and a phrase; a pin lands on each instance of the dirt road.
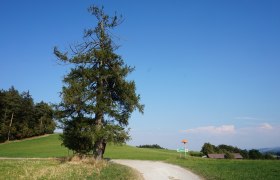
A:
(154, 170)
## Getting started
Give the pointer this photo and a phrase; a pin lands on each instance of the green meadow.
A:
(44, 147)
(50, 147)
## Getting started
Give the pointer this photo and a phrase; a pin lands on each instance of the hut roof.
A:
(216, 156)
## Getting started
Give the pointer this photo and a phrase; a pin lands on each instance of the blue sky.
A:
(207, 71)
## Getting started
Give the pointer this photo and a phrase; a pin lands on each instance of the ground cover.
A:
(230, 169)
(44, 147)
(207, 168)
(54, 169)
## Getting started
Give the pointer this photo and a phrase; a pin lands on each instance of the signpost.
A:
(185, 150)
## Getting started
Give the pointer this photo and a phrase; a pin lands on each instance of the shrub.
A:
(196, 154)
(229, 155)
(154, 146)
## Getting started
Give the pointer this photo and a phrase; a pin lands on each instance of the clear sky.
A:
(207, 71)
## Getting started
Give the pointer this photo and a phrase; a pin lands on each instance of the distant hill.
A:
(273, 150)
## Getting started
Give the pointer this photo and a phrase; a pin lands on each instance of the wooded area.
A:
(20, 117)
(208, 148)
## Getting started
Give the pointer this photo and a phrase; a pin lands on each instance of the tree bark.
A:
(99, 149)
(104, 147)
(98, 146)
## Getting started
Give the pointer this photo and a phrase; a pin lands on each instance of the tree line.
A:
(208, 148)
(21, 118)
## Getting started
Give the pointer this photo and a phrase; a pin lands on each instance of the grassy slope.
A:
(129, 152)
(208, 168)
(49, 146)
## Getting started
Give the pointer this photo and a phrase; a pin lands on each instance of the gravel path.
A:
(154, 170)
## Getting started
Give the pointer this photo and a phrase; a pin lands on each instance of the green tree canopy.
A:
(255, 154)
(20, 117)
(208, 148)
(97, 99)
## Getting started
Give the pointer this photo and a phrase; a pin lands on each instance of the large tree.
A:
(97, 99)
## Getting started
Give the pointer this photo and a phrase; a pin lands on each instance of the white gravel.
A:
(155, 170)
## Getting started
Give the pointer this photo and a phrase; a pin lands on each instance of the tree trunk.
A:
(99, 149)
(104, 147)
(10, 126)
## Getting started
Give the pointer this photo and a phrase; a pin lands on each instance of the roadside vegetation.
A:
(49, 146)
(54, 169)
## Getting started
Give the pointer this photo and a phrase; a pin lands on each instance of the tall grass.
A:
(53, 169)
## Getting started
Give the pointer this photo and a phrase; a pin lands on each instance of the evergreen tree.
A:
(21, 118)
(12, 103)
(25, 120)
(97, 99)
(44, 123)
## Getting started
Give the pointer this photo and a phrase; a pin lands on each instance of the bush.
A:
(229, 155)
(255, 154)
(196, 154)
(154, 146)
(268, 156)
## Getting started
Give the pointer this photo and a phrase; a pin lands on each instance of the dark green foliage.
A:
(208, 148)
(255, 154)
(154, 146)
(21, 118)
(244, 154)
(44, 116)
(78, 133)
(195, 153)
(97, 99)
(268, 156)
(227, 148)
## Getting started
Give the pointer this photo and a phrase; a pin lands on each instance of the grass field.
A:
(207, 168)
(53, 169)
(231, 169)
(49, 146)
